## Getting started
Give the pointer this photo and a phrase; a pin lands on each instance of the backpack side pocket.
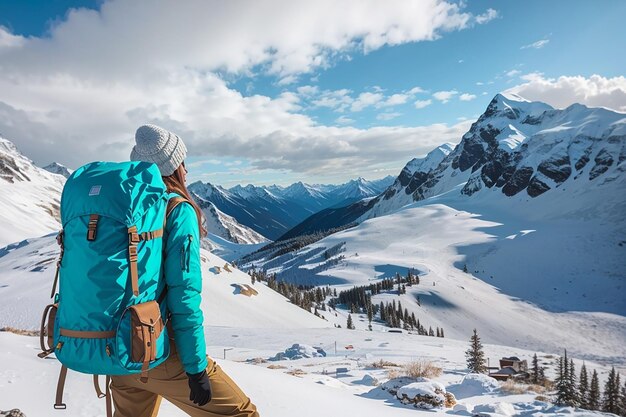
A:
(142, 341)
(146, 327)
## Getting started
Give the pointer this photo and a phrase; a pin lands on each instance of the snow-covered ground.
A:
(27, 271)
(552, 277)
(305, 387)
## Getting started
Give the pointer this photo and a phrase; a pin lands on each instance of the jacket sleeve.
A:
(183, 277)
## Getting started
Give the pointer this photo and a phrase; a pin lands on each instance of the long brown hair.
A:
(175, 183)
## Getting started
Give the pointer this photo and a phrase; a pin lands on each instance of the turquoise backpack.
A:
(108, 317)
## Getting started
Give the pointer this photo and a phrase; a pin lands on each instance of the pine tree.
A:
(561, 380)
(593, 400)
(475, 355)
(350, 324)
(611, 399)
(572, 392)
(437, 333)
(442, 332)
(535, 370)
(623, 402)
(430, 331)
(583, 387)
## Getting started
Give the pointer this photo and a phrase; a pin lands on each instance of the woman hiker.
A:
(189, 379)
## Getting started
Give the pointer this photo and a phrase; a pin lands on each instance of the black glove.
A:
(200, 388)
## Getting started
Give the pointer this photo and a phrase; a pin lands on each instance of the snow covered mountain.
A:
(29, 196)
(229, 228)
(57, 168)
(532, 203)
(261, 211)
(273, 210)
(522, 147)
(342, 215)
(516, 147)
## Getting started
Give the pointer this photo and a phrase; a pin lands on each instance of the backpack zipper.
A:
(185, 254)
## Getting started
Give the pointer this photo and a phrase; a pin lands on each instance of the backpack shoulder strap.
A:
(173, 203)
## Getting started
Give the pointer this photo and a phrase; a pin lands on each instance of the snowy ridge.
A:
(227, 227)
(273, 210)
(59, 169)
(521, 147)
(29, 196)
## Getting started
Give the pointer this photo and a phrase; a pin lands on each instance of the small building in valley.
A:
(511, 367)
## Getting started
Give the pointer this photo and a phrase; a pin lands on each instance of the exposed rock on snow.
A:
(298, 351)
(424, 394)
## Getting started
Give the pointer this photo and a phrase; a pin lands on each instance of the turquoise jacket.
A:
(184, 281)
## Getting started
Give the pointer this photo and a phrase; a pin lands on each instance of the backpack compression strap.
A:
(134, 238)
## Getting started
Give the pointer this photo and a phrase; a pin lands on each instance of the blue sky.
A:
(408, 88)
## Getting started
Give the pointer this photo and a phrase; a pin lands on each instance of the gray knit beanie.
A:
(164, 148)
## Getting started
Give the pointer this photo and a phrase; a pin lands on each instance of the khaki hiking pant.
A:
(133, 398)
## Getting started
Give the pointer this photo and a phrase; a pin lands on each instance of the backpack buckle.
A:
(133, 236)
(92, 227)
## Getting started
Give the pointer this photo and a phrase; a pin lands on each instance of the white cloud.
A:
(98, 74)
(513, 73)
(338, 100)
(488, 16)
(445, 96)
(343, 120)
(595, 91)
(467, 97)
(536, 45)
(387, 116)
(308, 90)
(415, 90)
(288, 79)
(365, 100)
(420, 104)
(8, 40)
(394, 100)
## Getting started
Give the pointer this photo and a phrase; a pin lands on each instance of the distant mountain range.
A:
(274, 210)
(516, 146)
(57, 168)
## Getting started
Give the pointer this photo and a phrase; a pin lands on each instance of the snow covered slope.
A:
(27, 271)
(227, 227)
(29, 196)
(543, 273)
(277, 392)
